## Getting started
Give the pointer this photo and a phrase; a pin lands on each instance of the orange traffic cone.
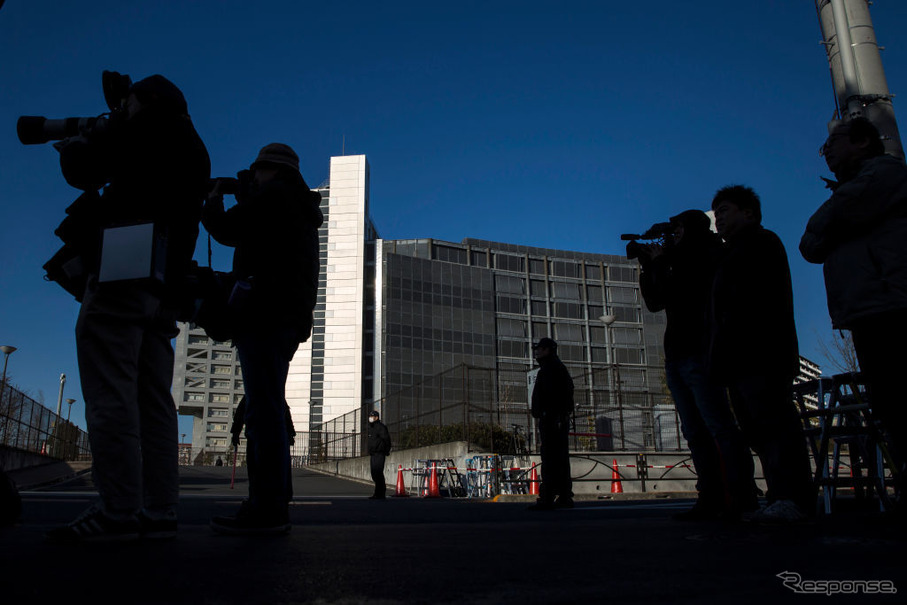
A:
(433, 489)
(533, 481)
(401, 487)
(616, 486)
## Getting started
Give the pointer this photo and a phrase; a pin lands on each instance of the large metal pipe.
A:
(856, 67)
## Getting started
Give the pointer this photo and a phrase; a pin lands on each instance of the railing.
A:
(616, 409)
(27, 425)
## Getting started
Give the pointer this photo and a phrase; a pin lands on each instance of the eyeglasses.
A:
(835, 135)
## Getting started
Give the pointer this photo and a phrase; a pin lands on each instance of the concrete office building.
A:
(392, 313)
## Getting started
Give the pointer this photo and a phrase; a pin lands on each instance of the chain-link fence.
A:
(619, 408)
(27, 425)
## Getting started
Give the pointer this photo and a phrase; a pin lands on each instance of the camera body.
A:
(238, 186)
(659, 233)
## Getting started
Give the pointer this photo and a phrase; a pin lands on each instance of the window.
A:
(198, 340)
(194, 396)
(512, 327)
(479, 259)
(633, 356)
(622, 273)
(622, 295)
(593, 272)
(508, 262)
(220, 383)
(537, 288)
(563, 268)
(539, 308)
(215, 442)
(595, 294)
(537, 266)
(626, 314)
(566, 291)
(222, 370)
(572, 332)
(222, 355)
(513, 348)
(567, 310)
(220, 398)
(508, 284)
(217, 427)
(511, 305)
(218, 412)
(449, 254)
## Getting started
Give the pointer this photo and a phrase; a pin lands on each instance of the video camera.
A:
(238, 186)
(37, 130)
(658, 233)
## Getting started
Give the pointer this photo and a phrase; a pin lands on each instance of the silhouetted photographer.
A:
(859, 236)
(126, 254)
(273, 228)
(677, 277)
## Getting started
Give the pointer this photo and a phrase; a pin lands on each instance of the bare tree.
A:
(839, 352)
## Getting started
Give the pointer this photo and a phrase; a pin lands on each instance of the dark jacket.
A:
(753, 331)
(552, 394)
(860, 234)
(379, 439)
(156, 169)
(275, 235)
(679, 281)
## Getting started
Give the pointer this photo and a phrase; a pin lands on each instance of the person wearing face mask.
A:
(273, 229)
(379, 446)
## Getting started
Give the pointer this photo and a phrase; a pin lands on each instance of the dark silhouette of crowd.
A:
(730, 346)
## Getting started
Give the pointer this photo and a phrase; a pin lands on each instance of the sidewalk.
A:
(34, 477)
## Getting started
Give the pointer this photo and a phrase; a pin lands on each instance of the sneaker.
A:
(248, 521)
(94, 525)
(778, 512)
(563, 503)
(153, 527)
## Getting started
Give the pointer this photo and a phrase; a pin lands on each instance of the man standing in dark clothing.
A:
(859, 235)
(379, 446)
(754, 351)
(552, 405)
(677, 278)
(274, 230)
(154, 169)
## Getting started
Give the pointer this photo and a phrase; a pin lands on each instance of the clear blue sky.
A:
(553, 124)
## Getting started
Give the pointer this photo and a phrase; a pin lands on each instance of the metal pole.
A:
(857, 74)
(60, 397)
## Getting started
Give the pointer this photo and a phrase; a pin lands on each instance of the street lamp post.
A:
(69, 412)
(60, 396)
(7, 351)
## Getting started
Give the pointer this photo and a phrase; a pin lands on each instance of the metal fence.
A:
(619, 408)
(27, 425)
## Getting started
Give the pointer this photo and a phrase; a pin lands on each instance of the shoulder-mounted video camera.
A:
(659, 233)
(37, 130)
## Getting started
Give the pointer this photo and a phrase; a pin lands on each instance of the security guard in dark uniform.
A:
(552, 404)
(379, 446)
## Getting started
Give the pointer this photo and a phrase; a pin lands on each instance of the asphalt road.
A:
(345, 548)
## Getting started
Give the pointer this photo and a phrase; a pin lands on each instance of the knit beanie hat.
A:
(158, 91)
(279, 154)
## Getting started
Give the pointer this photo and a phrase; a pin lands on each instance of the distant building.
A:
(392, 313)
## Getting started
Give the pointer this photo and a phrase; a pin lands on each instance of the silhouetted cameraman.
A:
(677, 278)
(154, 169)
(273, 229)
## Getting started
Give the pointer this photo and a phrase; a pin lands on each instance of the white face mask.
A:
(372, 419)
